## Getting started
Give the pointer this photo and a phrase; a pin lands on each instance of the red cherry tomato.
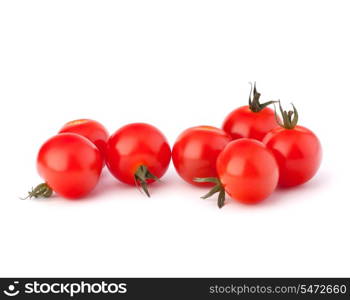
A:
(297, 149)
(242, 122)
(92, 130)
(196, 150)
(247, 171)
(70, 165)
(138, 154)
(252, 121)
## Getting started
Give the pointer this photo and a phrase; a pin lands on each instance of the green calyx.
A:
(40, 191)
(290, 118)
(141, 176)
(254, 100)
(218, 188)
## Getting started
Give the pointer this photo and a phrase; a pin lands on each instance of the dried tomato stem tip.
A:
(141, 176)
(40, 191)
(254, 100)
(290, 118)
(218, 188)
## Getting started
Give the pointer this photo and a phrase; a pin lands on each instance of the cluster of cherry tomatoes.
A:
(255, 151)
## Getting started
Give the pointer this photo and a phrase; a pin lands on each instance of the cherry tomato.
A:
(92, 130)
(196, 150)
(70, 165)
(138, 153)
(247, 171)
(251, 121)
(297, 149)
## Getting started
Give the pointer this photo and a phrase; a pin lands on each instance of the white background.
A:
(174, 64)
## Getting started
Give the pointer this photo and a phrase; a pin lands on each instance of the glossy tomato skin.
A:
(70, 165)
(196, 150)
(92, 130)
(244, 123)
(247, 170)
(134, 145)
(298, 152)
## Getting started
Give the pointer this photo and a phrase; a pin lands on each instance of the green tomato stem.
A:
(254, 100)
(40, 191)
(141, 176)
(290, 118)
(218, 188)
